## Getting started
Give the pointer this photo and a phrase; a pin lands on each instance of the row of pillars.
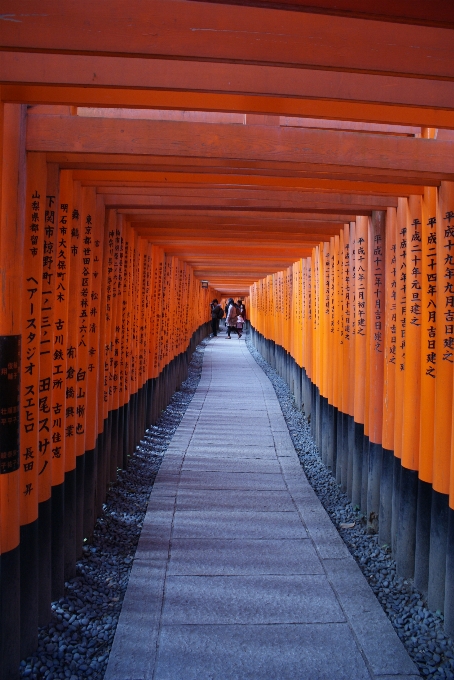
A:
(407, 513)
(97, 327)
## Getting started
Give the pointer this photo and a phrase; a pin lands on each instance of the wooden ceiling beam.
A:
(270, 218)
(143, 137)
(436, 13)
(103, 179)
(203, 31)
(93, 161)
(391, 114)
(214, 198)
(133, 78)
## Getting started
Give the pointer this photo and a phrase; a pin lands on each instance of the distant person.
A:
(240, 319)
(216, 315)
(232, 319)
(242, 308)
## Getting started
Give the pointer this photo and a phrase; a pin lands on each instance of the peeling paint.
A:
(8, 17)
(229, 30)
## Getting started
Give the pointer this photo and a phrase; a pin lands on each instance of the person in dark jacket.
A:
(216, 315)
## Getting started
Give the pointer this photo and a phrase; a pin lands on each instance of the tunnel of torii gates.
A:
(298, 157)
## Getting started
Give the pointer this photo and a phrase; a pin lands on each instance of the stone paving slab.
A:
(256, 599)
(239, 573)
(254, 652)
(231, 465)
(238, 523)
(232, 499)
(231, 480)
(220, 557)
(251, 451)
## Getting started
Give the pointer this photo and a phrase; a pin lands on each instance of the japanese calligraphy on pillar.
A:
(31, 313)
(402, 292)
(361, 276)
(46, 346)
(347, 307)
(60, 339)
(430, 294)
(327, 285)
(414, 294)
(378, 275)
(448, 288)
(9, 402)
(73, 324)
(392, 260)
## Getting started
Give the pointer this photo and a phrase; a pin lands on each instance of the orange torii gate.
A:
(327, 199)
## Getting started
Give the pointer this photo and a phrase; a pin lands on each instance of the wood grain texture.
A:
(143, 137)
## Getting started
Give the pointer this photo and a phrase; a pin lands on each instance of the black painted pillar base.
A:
(325, 429)
(10, 622)
(406, 531)
(318, 419)
(449, 583)
(422, 548)
(314, 409)
(349, 447)
(58, 541)
(70, 525)
(395, 505)
(340, 447)
(89, 493)
(29, 588)
(365, 474)
(386, 495)
(45, 561)
(373, 486)
(80, 484)
(438, 547)
(357, 464)
(112, 454)
(332, 444)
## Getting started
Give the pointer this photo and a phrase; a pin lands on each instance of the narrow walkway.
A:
(239, 572)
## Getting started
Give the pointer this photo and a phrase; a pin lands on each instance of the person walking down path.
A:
(232, 319)
(216, 315)
(241, 318)
(239, 573)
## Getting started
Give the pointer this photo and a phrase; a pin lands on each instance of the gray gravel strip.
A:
(77, 642)
(420, 629)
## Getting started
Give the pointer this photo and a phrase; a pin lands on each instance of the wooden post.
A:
(31, 417)
(389, 368)
(58, 395)
(12, 236)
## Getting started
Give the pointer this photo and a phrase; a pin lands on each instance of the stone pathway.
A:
(239, 573)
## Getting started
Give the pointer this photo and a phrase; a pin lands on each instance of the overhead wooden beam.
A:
(436, 13)
(145, 215)
(180, 219)
(142, 75)
(227, 33)
(144, 137)
(127, 177)
(212, 198)
(200, 101)
(104, 161)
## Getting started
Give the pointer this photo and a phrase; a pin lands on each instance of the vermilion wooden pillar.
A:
(12, 149)
(389, 369)
(443, 398)
(376, 349)
(33, 421)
